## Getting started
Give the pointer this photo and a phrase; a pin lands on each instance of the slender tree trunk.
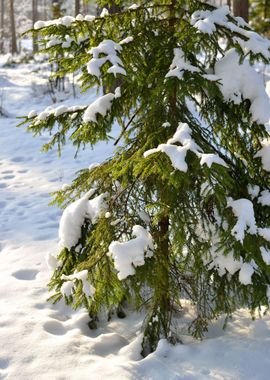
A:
(56, 9)
(240, 8)
(266, 9)
(34, 19)
(45, 16)
(159, 321)
(77, 7)
(2, 27)
(14, 49)
(85, 8)
(164, 269)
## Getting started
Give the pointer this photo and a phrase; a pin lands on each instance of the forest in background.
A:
(17, 16)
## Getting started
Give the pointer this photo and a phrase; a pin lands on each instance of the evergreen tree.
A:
(181, 210)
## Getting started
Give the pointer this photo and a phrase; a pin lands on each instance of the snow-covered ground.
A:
(44, 341)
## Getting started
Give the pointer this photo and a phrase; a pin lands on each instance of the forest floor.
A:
(44, 341)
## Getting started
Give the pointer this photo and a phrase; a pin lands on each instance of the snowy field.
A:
(42, 341)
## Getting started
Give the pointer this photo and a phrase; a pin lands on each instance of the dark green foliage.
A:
(173, 199)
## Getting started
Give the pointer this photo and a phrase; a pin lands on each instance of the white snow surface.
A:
(44, 341)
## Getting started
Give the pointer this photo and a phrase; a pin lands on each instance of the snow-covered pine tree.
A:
(181, 210)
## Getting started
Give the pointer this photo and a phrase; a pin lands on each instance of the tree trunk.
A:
(56, 9)
(2, 27)
(14, 49)
(157, 326)
(34, 19)
(77, 7)
(266, 9)
(45, 16)
(240, 8)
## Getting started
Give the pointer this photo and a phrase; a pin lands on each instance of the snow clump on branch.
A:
(68, 287)
(110, 49)
(131, 253)
(75, 215)
(177, 154)
(243, 210)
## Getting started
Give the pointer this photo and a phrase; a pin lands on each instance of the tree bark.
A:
(14, 49)
(56, 9)
(240, 8)
(2, 27)
(34, 19)
(45, 16)
(77, 7)
(266, 9)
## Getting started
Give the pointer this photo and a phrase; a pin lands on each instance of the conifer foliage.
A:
(181, 210)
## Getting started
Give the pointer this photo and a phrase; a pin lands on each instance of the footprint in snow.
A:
(59, 317)
(54, 328)
(107, 344)
(18, 159)
(25, 274)
(4, 363)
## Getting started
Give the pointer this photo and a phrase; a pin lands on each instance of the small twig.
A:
(126, 127)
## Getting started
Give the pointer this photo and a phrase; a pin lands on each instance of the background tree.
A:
(77, 7)
(34, 20)
(57, 9)
(181, 210)
(14, 48)
(241, 8)
(2, 26)
(260, 16)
